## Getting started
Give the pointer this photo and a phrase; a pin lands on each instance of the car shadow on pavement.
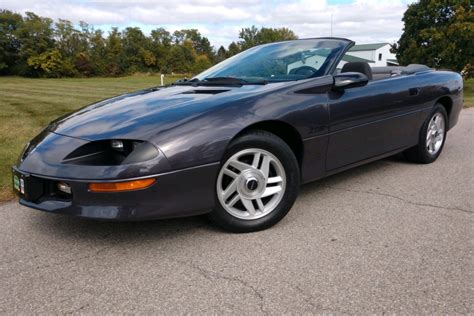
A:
(76, 228)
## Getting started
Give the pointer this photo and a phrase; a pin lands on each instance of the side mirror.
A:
(348, 80)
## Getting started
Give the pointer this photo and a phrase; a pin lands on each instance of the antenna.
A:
(331, 24)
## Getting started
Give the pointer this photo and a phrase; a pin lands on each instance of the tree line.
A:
(438, 33)
(36, 46)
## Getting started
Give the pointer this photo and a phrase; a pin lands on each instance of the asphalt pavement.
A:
(387, 237)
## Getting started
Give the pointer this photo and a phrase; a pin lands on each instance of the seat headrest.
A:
(358, 66)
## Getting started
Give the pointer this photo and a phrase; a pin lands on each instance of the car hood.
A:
(145, 113)
(141, 114)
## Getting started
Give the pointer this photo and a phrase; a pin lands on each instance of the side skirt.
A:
(365, 161)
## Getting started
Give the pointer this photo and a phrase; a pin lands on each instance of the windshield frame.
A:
(337, 48)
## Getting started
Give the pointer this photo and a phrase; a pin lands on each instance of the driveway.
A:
(390, 237)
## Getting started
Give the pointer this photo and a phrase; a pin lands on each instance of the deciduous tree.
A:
(252, 36)
(9, 41)
(438, 33)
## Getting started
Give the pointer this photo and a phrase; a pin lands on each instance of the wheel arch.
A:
(447, 103)
(281, 129)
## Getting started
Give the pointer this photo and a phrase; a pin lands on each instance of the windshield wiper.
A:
(186, 82)
(233, 80)
(219, 81)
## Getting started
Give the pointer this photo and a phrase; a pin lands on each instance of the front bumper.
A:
(174, 194)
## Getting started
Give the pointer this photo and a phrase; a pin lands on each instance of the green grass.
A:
(469, 93)
(28, 105)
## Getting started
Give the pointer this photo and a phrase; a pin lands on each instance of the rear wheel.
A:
(432, 137)
(257, 183)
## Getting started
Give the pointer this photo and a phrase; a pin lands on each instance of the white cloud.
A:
(220, 20)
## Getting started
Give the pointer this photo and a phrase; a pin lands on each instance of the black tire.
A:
(268, 142)
(420, 152)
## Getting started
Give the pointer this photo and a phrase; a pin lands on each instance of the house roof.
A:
(362, 47)
(351, 59)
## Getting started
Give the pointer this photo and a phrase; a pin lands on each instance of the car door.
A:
(371, 120)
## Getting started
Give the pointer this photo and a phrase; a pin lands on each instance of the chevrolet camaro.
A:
(237, 140)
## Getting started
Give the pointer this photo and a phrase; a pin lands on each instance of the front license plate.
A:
(28, 187)
(18, 183)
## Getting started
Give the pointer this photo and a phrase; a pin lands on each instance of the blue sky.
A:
(364, 21)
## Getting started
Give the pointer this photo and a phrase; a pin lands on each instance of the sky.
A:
(364, 21)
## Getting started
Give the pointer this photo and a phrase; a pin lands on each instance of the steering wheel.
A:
(306, 71)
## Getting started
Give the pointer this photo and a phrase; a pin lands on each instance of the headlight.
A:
(112, 153)
(117, 144)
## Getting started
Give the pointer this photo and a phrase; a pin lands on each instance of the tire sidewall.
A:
(276, 146)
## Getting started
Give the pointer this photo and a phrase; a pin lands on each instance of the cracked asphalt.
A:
(387, 237)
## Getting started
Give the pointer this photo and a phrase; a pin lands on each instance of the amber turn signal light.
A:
(121, 186)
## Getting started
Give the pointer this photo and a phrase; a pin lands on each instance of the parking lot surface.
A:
(390, 236)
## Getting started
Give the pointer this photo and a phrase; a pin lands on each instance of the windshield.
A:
(283, 61)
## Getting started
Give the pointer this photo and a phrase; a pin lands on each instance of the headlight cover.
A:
(112, 153)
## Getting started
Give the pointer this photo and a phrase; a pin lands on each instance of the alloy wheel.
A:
(435, 133)
(251, 184)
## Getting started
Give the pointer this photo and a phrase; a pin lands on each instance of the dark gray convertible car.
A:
(237, 140)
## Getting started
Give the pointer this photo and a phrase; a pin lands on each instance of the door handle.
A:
(414, 91)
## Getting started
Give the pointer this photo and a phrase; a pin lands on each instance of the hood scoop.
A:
(205, 91)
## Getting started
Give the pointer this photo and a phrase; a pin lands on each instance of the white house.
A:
(379, 53)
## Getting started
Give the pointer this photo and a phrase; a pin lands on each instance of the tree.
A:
(149, 58)
(83, 64)
(160, 45)
(249, 37)
(233, 49)
(35, 35)
(162, 37)
(98, 53)
(182, 57)
(437, 33)
(73, 45)
(113, 53)
(133, 44)
(67, 39)
(9, 42)
(201, 63)
(221, 54)
(50, 63)
(199, 43)
(252, 36)
(270, 35)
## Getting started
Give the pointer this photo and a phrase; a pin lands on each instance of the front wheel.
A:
(432, 137)
(257, 183)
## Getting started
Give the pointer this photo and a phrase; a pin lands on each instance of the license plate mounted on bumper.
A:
(26, 186)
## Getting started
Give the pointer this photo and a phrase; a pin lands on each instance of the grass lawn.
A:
(469, 93)
(28, 105)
